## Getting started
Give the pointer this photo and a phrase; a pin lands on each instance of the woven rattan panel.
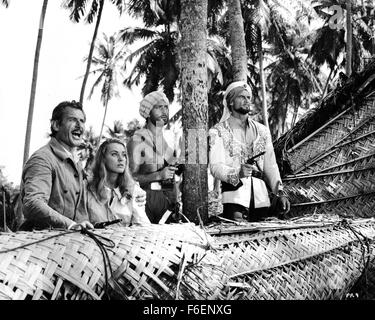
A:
(362, 206)
(347, 153)
(326, 276)
(253, 252)
(332, 134)
(142, 253)
(178, 261)
(330, 186)
(308, 263)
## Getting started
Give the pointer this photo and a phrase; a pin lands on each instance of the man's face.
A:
(70, 130)
(159, 114)
(242, 103)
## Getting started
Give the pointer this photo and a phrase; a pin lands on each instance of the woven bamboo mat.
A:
(360, 206)
(178, 261)
(351, 125)
(355, 154)
(319, 262)
(43, 270)
(322, 277)
(329, 186)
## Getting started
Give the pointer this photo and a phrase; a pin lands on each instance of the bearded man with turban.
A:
(233, 141)
(153, 154)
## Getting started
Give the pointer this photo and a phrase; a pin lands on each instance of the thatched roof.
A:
(328, 158)
(351, 94)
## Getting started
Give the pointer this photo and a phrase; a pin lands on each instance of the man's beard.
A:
(242, 110)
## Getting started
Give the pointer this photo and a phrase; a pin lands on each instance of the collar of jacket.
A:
(61, 153)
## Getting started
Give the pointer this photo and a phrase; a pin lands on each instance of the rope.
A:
(102, 243)
(98, 239)
(38, 241)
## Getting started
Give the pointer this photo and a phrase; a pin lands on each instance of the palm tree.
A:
(87, 150)
(78, 8)
(331, 43)
(349, 34)
(108, 62)
(117, 131)
(237, 41)
(34, 82)
(193, 51)
(157, 59)
(259, 17)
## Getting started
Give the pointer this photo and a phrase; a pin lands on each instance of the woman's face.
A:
(115, 158)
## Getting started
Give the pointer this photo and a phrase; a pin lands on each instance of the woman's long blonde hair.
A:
(125, 181)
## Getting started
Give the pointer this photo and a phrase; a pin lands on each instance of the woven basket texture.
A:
(362, 206)
(184, 262)
(142, 253)
(306, 264)
(324, 277)
(329, 186)
(351, 125)
(348, 156)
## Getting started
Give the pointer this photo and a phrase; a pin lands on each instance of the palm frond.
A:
(96, 83)
(120, 5)
(94, 9)
(140, 50)
(130, 35)
(76, 7)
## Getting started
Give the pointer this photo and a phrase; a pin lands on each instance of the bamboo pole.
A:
(34, 83)
(318, 130)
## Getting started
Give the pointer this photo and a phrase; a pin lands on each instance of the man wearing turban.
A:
(153, 153)
(235, 140)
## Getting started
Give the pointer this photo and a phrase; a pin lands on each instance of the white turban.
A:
(236, 84)
(150, 100)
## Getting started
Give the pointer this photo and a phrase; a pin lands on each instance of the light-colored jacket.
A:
(52, 188)
(227, 154)
(121, 207)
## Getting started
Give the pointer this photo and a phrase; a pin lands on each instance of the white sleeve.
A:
(218, 168)
(138, 212)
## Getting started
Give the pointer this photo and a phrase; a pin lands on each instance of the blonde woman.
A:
(112, 192)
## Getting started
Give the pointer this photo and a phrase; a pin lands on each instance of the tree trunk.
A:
(34, 82)
(262, 80)
(92, 46)
(349, 34)
(237, 41)
(104, 116)
(193, 48)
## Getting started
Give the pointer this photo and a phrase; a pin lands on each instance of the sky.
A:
(61, 67)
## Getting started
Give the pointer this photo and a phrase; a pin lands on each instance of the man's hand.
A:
(140, 197)
(82, 225)
(284, 204)
(167, 173)
(246, 170)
